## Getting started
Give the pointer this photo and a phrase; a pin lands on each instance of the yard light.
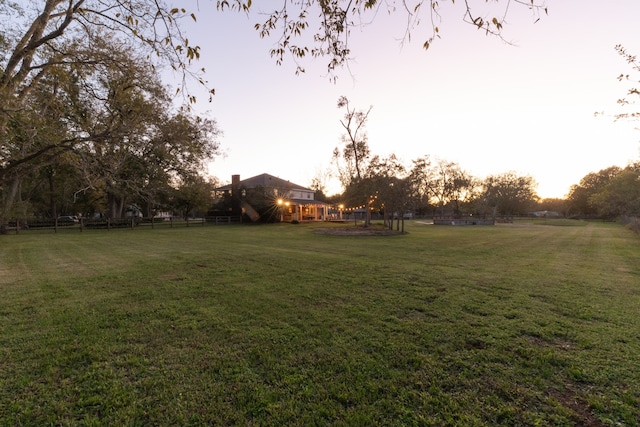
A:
(280, 208)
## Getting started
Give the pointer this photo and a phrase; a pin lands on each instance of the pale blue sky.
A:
(471, 99)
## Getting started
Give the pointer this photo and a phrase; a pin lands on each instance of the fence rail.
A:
(83, 224)
(633, 222)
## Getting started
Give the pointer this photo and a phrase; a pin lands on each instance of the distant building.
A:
(267, 194)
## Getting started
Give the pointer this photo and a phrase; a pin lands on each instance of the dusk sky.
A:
(491, 107)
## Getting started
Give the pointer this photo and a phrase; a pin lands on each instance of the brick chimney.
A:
(235, 194)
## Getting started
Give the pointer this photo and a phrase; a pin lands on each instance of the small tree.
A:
(355, 156)
(193, 196)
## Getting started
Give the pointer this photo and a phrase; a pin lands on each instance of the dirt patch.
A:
(580, 408)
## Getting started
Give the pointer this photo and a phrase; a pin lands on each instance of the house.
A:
(267, 195)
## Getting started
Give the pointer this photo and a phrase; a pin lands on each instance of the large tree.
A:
(422, 183)
(580, 198)
(388, 176)
(194, 196)
(451, 185)
(620, 195)
(43, 34)
(52, 55)
(152, 144)
(509, 194)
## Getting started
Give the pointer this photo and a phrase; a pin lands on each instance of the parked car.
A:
(68, 219)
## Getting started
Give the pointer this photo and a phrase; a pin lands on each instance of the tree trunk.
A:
(8, 203)
(367, 214)
(115, 206)
(52, 197)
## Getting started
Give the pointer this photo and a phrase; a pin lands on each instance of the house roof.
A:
(266, 180)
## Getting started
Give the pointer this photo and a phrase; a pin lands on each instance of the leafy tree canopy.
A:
(38, 36)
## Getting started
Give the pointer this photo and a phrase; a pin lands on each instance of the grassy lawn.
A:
(520, 324)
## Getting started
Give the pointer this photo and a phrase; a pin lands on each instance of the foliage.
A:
(355, 152)
(276, 325)
(193, 196)
(48, 33)
(509, 194)
(452, 185)
(620, 196)
(319, 186)
(81, 76)
(441, 184)
(580, 198)
(553, 205)
(421, 179)
(265, 202)
(352, 162)
(633, 91)
(294, 20)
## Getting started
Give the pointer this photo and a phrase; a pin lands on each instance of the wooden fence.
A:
(83, 224)
(633, 222)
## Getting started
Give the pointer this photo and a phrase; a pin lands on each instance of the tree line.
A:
(86, 122)
(428, 187)
(609, 193)
(442, 188)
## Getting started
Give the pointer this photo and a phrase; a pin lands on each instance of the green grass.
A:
(521, 324)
